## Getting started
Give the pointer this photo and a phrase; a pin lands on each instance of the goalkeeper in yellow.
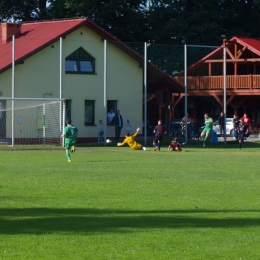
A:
(129, 139)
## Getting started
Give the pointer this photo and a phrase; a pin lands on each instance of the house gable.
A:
(39, 76)
(37, 35)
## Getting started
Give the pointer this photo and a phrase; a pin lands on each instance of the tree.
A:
(27, 10)
(202, 21)
(164, 22)
(124, 19)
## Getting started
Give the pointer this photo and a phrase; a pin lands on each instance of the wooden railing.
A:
(217, 82)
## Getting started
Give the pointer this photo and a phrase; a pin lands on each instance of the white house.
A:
(69, 59)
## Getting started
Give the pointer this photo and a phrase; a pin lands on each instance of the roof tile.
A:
(34, 37)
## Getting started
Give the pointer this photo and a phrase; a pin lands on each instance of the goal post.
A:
(31, 121)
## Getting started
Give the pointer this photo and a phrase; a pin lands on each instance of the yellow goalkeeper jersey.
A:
(131, 142)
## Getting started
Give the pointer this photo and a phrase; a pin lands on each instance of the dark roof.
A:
(252, 44)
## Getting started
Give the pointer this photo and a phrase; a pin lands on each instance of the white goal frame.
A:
(61, 115)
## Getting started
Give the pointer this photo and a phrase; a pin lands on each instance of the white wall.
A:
(39, 77)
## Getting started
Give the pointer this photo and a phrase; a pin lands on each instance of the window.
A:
(71, 66)
(80, 62)
(112, 104)
(89, 112)
(86, 66)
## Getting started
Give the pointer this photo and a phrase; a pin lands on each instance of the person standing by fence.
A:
(221, 124)
(128, 126)
(118, 121)
(100, 132)
(247, 121)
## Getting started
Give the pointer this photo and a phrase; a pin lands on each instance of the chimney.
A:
(10, 29)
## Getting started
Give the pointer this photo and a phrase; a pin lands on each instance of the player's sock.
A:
(159, 146)
(205, 138)
(240, 146)
(68, 155)
(155, 144)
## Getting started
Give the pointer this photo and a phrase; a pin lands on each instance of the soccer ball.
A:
(108, 141)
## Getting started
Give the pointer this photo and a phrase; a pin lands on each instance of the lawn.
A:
(115, 203)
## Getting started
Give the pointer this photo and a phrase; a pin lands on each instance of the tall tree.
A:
(122, 18)
(186, 21)
(242, 17)
(165, 22)
(202, 21)
(26, 10)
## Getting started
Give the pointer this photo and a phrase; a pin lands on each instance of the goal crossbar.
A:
(33, 99)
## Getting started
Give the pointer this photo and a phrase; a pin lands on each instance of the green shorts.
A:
(69, 145)
(206, 130)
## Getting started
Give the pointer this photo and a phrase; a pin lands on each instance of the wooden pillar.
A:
(198, 83)
(210, 69)
(235, 68)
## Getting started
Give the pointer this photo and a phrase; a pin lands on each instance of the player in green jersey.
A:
(70, 134)
(207, 129)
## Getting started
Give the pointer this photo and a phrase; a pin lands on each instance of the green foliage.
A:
(115, 203)
(164, 22)
(22, 10)
(124, 19)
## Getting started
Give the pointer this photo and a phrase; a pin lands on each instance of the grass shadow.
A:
(90, 221)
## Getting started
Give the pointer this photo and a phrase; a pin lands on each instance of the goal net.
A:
(31, 122)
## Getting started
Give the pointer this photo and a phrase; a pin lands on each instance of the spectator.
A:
(118, 121)
(247, 122)
(110, 116)
(128, 126)
(184, 119)
(221, 124)
(100, 132)
(183, 123)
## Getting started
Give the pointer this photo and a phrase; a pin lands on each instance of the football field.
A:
(116, 203)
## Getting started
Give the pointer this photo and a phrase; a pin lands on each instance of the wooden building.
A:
(205, 81)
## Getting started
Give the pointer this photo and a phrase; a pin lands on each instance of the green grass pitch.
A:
(115, 203)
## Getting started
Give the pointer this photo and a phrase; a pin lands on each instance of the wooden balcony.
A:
(236, 83)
